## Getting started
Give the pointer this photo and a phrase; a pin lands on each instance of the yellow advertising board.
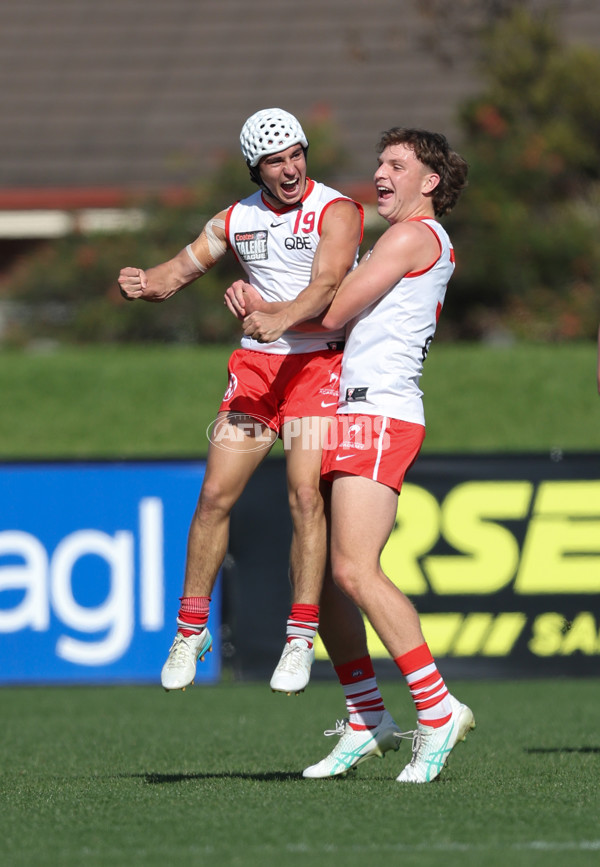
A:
(501, 556)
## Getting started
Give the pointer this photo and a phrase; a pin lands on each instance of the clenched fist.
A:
(132, 282)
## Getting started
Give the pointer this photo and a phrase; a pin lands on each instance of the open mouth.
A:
(290, 187)
(383, 193)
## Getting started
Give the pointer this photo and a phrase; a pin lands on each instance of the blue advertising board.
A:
(92, 559)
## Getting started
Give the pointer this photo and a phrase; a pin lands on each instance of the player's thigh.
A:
(363, 513)
(303, 440)
(238, 444)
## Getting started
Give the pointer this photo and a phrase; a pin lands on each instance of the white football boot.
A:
(179, 670)
(432, 746)
(355, 747)
(293, 669)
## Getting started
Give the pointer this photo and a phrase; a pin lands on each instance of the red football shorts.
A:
(277, 388)
(374, 446)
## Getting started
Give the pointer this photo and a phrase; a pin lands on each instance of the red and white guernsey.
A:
(276, 249)
(388, 342)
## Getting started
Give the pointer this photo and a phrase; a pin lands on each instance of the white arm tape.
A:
(216, 246)
(196, 262)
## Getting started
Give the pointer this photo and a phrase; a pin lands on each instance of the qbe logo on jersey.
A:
(92, 559)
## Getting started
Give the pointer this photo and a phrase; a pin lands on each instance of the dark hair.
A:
(432, 149)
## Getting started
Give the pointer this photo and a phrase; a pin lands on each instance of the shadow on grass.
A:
(163, 779)
(545, 750)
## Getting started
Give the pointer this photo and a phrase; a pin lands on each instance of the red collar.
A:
(310, 184)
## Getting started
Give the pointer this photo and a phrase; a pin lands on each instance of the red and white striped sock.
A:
(303, 622)
(193, 614)
(363, 699)
(427, 687)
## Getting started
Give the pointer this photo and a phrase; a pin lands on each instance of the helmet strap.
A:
(256, 179)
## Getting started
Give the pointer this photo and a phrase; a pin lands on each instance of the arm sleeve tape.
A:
(196, 262)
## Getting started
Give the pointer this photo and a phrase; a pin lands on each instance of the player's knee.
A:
(346, 576)
(214, 502)
(306, 501)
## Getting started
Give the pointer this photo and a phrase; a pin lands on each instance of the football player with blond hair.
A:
(390, 305)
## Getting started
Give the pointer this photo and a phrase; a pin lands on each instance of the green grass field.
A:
(133, 776)
(119, 402)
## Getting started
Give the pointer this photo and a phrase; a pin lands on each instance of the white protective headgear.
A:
(268, 132)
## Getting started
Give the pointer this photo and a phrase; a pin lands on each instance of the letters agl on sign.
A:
(91, 563)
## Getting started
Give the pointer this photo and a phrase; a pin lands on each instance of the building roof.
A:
(113, 96)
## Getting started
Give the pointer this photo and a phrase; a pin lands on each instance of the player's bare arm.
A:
(403, 248)
(341, 234)
(242, 299)
(162, 281)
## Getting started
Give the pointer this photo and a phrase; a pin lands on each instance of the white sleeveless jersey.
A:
(388, 342)
(276, 249)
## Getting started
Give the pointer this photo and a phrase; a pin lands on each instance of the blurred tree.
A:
(527, 226)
